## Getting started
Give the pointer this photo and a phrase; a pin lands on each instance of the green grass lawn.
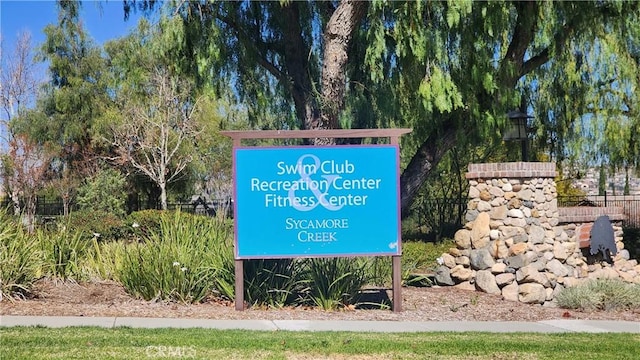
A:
(128, 343)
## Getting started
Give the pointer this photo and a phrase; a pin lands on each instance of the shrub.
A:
(143, 223)
(20, 259)
(182, 262)
(601, 294)
(89, 224)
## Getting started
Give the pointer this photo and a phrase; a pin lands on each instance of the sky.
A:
(102, 20)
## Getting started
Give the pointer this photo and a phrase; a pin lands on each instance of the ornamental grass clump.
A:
(20, 259)
(181, 262)
(273, 282)
(601, 294)
(333, 283)
(103, 260)
(63, 250)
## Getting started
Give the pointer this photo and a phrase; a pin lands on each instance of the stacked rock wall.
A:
(514, 243)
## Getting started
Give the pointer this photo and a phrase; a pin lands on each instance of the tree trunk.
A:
(296, 54)
(30, 213)
(338, 35)
(425, 159)
(163, 195)
(15, 199)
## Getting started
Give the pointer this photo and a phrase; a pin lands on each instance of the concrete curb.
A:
(548, 326)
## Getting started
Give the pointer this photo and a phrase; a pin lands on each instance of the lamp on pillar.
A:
(518, 130)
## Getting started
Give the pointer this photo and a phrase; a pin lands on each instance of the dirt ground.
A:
(419, 304)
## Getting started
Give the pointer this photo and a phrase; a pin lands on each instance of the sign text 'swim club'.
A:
(316, 201)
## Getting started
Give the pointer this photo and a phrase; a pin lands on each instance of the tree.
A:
(25, 168)
(448, 69)
(156, 132)
(18, 88)
(104, 192)
(18, 85)
(73, 98)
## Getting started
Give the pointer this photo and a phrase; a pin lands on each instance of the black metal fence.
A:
(46, 207)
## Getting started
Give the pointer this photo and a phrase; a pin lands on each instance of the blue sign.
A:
(317, 201)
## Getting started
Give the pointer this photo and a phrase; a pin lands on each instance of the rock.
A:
(483, 206)
(525, 194)
(507, 187)
(481, 259)
(480, 231)
(485, 281)
(473, 192)
(510, 292)
(511, 231)
(448, 260)
(624, 254)
(504, 279)
(519, 222)
(542, 248)
(443, 276)
(466, 285)
(470, 215)
(628, 276)
(498, 268)
(560, 252)
(514, 203)
(463, 239)
(536, 234)
(461, 273)
(515, 213)
(520, 238)
(517, 261)
(463, 260)
(555, 267)
(498, 249)
(540, 264)
(494, 234)
(557, 290)
(517, 249)
(572, 282)
(496, 192)
(532, 293)
(610, 273)
(549, 294)
(529, 274)
(485, 195)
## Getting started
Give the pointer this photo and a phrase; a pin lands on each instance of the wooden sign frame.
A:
(392, 134)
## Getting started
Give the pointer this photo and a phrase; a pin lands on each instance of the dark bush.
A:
(631, 240)
(141, 224)
(91, 223)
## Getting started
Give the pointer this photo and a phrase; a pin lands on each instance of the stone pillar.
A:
(513, 243)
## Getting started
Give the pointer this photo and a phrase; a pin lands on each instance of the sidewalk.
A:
(548, 326)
